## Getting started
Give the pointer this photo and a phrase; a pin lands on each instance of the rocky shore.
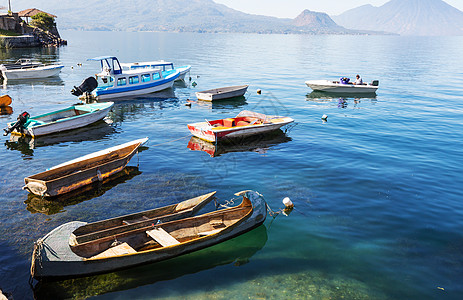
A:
(29, 36)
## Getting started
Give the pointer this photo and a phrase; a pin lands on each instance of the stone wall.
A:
(22, 41)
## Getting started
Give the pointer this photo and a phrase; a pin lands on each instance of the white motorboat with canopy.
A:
(114, 82)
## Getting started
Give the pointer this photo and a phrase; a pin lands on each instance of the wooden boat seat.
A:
(162, 237)
(133, 221)
(120, 249)
(217, 222)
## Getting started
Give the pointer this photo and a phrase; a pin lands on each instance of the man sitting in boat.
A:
(358, 80)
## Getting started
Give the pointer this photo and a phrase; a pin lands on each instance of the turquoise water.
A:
(376, 187)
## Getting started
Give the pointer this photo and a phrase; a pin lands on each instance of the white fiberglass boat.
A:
(114, 82)
(342, 86)
(163, 65)
(27, 69)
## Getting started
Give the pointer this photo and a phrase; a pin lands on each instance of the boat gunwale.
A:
(192, 241)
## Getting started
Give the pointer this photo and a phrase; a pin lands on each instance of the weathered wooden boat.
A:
(222, 93)
(5, 100)
(114, 82)
(246, 123)
(28, 69)
(61, 254)
(82, 171)
(163, 65)
(69, 118)
(342, 86)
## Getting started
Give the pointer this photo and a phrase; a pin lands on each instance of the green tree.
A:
(43, 21)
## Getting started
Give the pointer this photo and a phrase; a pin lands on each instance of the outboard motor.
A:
(18, 126)
(375, 83)
(87, 86)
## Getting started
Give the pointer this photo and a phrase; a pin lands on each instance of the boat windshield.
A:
(105, 82)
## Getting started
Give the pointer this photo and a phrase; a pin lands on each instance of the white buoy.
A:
(324, 117)
(288, 203)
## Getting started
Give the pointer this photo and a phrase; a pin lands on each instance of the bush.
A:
(43, 21)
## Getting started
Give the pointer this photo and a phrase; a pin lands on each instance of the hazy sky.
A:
(292, 8)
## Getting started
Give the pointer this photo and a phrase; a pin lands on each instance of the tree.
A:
(43, 21)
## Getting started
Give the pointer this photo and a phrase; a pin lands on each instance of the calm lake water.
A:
(377, 188)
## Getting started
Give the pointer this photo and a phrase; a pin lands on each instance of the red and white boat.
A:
(246, 123)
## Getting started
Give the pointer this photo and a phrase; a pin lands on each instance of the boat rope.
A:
(272, 213)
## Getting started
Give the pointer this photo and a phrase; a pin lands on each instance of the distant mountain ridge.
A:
(406, 17)
(177, 16)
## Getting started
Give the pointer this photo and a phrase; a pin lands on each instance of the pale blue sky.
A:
(292, 8)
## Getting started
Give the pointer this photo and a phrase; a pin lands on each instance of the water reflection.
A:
(54, 205)
(326, 96)
(257, 143)
(93, 132)
(237, 251)
(47, 81)
(229, 103)
(6, 110)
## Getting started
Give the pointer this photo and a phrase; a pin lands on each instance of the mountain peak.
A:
(406, 17)
(314, 19)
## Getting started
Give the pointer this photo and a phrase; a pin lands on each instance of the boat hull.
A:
(332, 87)
(222, 93)
(75, 175)
(136, 90)
(183, 71)
(51, 261)
(32, 73)
(65, 124)
(213, 136)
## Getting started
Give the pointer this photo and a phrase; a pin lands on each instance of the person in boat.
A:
(358, 80)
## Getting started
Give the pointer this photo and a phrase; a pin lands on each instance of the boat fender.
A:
(19, 125)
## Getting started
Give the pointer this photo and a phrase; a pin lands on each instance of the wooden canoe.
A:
(222, 93)
(82, 171)
(246, 123)
(54, 256)
(73, 117)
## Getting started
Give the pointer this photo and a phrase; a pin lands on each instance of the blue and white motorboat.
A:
(164, 65)
(114, 82)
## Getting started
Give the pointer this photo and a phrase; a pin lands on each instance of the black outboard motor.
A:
(87, 86)
(18, 126)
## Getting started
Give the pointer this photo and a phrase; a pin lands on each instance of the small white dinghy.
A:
(27, 69)
(342, 86)
(69, 118)
(222, 93)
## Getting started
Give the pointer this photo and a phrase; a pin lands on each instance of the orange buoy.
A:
(5, 100)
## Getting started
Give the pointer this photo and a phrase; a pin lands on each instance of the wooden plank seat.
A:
(217, 221)
(120, 249)
(162, 237)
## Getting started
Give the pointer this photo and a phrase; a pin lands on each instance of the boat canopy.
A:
(110, 63)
